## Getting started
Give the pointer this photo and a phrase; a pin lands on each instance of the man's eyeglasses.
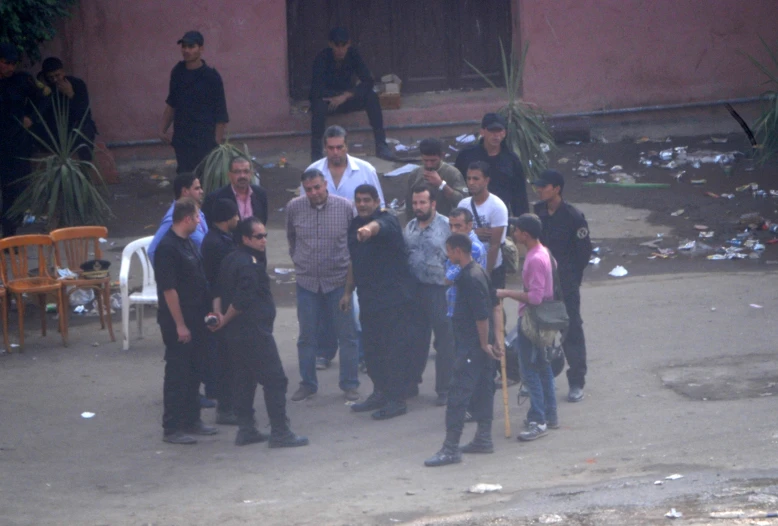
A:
(259, 236)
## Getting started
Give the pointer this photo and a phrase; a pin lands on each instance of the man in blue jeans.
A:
(317, 229)
(536, 372)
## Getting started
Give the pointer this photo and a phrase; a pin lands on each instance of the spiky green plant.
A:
(212, 171)
(61, 187)
(527, 128)
(766, 126)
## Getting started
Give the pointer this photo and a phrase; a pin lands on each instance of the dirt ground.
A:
(682, 377)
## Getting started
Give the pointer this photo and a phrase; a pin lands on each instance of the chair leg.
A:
(42, 305)
(100, 308)
(20, 310)
(139, 316)
(4, 314)
(63, 313)
(107, 303)
(125, 325)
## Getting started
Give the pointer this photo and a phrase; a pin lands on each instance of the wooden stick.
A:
(499, 326)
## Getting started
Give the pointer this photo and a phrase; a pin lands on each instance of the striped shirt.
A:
(318, 241)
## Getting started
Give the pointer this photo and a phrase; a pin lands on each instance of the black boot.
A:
(249, 435)
(373, 402)
(482, 442)
(448, 454)
(282, 436)
(392, 409)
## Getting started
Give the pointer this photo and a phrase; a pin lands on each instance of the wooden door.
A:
(425, 42)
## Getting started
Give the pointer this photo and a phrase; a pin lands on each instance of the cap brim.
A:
(495, 127)
(188, 41)
(540, 182)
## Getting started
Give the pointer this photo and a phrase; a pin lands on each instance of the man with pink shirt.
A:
(535, 369)
(250, 198)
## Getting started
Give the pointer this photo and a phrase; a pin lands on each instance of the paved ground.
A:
(683, 379)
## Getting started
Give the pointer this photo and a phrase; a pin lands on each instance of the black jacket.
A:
(258, 202)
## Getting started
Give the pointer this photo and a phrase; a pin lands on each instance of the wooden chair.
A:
(74, 246)
(4, 314)
(15, 255)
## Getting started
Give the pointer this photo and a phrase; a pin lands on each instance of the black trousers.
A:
(320, 109)
(429, 315)
(385, 339)
(12, 169)
(575, 342)
(254, 358)
(222, 372)
(472, 386)
(188, 156)
(181, 385)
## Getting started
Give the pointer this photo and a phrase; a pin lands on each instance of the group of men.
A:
(29, 106)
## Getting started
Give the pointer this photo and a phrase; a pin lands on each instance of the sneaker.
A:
(533, 432)
(441, 400)
(246, 436)
(373, 402)
(551, 424)
(302, 393)
(352, 395)
(178, 437)
(322, 364)
(576, 394)
(444, 457)
(199, 428)
(226, 418)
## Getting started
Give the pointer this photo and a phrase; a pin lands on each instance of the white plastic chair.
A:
(147, 296)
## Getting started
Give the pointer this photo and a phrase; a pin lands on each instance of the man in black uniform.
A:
(566, 234)
(506, 176)
(247, 317)
(19, 95)
(475, 309)
(219, 242)
(72, 91)
(195, 106)
(183, 303)
(379, 270)
(333, 91)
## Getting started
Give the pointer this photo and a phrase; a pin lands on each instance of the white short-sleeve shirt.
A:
(357, 172)
(492, 213)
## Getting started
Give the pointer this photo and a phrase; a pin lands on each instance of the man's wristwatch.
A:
(442, 185)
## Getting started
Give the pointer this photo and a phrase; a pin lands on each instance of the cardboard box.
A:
(389, 101)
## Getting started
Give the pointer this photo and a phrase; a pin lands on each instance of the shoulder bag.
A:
(546, 324)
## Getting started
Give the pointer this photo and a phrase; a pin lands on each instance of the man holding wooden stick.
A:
(475, 312)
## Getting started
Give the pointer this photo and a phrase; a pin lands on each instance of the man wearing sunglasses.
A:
(247, 316)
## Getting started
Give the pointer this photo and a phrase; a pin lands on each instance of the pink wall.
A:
(584, 55)
(125, 51)
(593, 54)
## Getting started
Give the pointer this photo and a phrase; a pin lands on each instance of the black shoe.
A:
(482, 442)
(226, 418)
(287, 439)
(199, 428)
(373, 402)
(249, 435)
(382, 151)
(178, 437)
(392, 409)
(441, 400)
(444, 457)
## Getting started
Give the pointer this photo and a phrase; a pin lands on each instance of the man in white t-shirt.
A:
(342, 171)
(490, 219)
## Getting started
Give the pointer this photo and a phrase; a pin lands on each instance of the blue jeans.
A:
(311, 307)
(537, 375)
(328, 340)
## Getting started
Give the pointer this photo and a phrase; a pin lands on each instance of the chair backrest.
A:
(139, 247)
(75, 245)
(16, 252)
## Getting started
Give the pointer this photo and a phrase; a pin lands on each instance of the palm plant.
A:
(528, 134)
(766, 126)
(212, 171)
(61, 186)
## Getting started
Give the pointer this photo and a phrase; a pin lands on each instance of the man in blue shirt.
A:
(184, 185)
